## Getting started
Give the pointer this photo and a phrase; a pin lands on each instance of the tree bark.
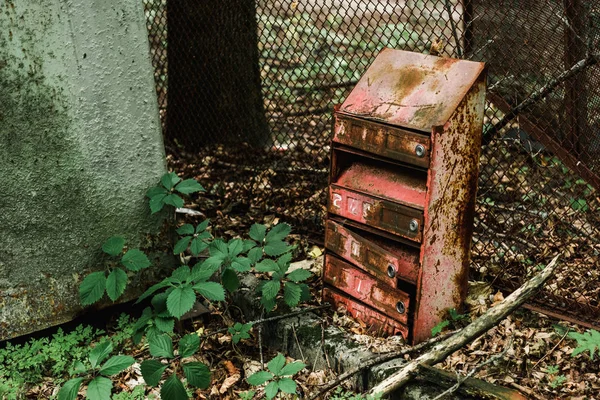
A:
(214, 90)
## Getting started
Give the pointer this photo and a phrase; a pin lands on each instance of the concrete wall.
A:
(80, 143)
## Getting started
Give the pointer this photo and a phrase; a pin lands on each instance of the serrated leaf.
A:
(99, 353)
(116, 283)
(587, 341)
(210, 290)
(157, 203)
(189, 186)
(182, 245)
(152, 371)
(235, 247)
(287, 385)
(284, 262)
(257, 232)
(169, 180)
(161, 346)
(181, 300)
(78, 368)
(116, 364)
(276, 364)
(152, 289)
(92, 288)
(292, 369)
(135, 260)
(197, 246)
(230, 280)
(268, 304)
(164, 324)
(159, 301)
(266, 265)
(439, 327)
(260, 377)
(202, 226)
(181, 274)
(299, 275)
(255, 254)
(113, 245)
(187, 229)
(291, 294)
(173, 389)
(155, 191)
(271, 389)
(218, 248)
(188, 345)
(202, 271)
(270, 289)
(99, 388)
(241, 264)
(197, 374)
(305, 296)
(275, 248)
(69, 390)
(173, 200)
(248, 244)
(278, 232)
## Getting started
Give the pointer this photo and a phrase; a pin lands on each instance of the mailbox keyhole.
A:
(391, 271)
(413, 225)
(420, 150)
(400, 307)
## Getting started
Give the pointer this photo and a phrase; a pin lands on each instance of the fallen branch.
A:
(472, 331)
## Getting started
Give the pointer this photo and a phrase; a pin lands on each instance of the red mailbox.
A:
(404, 167)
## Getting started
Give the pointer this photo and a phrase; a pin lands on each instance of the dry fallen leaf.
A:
(229, 382)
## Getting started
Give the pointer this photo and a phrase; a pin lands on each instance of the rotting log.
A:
(471, 332)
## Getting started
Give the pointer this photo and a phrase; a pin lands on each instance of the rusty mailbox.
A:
(403, 180)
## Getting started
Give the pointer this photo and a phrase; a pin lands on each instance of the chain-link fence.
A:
(252, 88)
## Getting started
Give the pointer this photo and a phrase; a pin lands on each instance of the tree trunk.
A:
(214, 92)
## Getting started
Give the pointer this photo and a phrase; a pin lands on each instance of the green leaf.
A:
(270, 289)
(100, 352)
(210, 290)
(284, 261)
(257, 232)
(198, 246)
(235, 247)
(159, 302)
(248, 244)
(135, 260)
(92, 288)
(291, 294)
(266, 265)
(202, 271)
(78, 368)
(214, 262)
(276, 364)
(255, 254)
(173, 200)
(259, 378)
(278, 232)
(181, 274)
(230, 280)
(202, 226)
(69, 390)
(299, 275)
(292, 369)
(189, 186)
(268, 304)
(181, 300)
(99, 388)
(439, 327)
(161, 346)
(116, 283)
(152, 371)
(305, 296)
(188, 345)
(241, 264)
(271, 389)
(164, 324)
(287, 385)
(197, 374)
(169, 180)
(113, 245)
(218, 248)
(187, 229)
(275, 248)
(173, 389)
(587, 341)
(155, 191)
(157, 202)
(116, 364)
(182, 245)
(160, 285)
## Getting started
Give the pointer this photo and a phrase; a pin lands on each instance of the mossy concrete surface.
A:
(80, 143)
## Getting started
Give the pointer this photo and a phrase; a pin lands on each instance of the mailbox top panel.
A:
(412, 90)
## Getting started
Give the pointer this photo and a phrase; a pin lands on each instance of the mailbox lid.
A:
(412, 90)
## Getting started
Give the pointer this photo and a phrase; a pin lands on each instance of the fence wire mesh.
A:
(253, 84)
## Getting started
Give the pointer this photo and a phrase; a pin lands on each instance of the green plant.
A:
(587, 341)
(94, 285)
(247, 395)
(554, 379)
(138, 393)
(239, 331)
(196, 373)
(453, 318)
(96, 375)
(278, 376)
(194, 238)
(166, 192)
